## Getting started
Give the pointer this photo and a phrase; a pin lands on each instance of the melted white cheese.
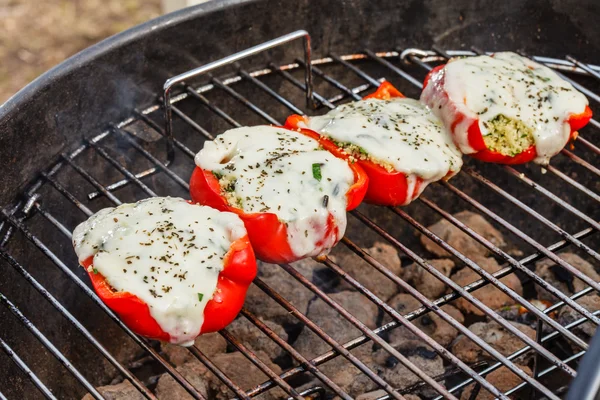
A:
(519, 88)
(270, 169)
(165, 251)
(402, 133)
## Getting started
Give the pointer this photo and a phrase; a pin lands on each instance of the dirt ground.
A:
(35, 35)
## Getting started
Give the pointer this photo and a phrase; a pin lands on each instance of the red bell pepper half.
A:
(267, 233)
(239, 269)
(474, 136)
(385, 187)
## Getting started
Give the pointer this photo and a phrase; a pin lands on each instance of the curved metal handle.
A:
(233, 58)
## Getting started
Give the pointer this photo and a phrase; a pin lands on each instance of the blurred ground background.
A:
(35, 35)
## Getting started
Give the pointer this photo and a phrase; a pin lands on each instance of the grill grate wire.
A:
(15, 219)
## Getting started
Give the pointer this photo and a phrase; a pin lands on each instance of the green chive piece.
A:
(316, 171)
(95, 271)
(230, 186)
(200, 296)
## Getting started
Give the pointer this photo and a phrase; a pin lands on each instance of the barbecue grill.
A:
(122, 121)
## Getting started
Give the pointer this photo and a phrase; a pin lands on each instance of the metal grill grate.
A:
(256, 97)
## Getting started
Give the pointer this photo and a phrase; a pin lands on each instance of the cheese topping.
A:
(269, 169)
(508, 86)
(400, 134)
(165, 251)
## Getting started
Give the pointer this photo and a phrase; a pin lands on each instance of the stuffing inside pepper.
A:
(508, 136)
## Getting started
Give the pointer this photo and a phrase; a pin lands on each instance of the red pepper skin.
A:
(578, 121)
(474, 136)
(431, 73)
(358, 190)
(385, 91)
(239, 269)
(385, 188)
(267, 233)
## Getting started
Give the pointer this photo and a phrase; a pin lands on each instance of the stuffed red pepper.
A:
(291, 193)
(170, 269)
(399, 143)
(505, 108)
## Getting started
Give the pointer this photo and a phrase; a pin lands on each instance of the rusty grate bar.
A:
(29, 278)
(287, 347)
(48, 345)
(505, 289)
(26, 370)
